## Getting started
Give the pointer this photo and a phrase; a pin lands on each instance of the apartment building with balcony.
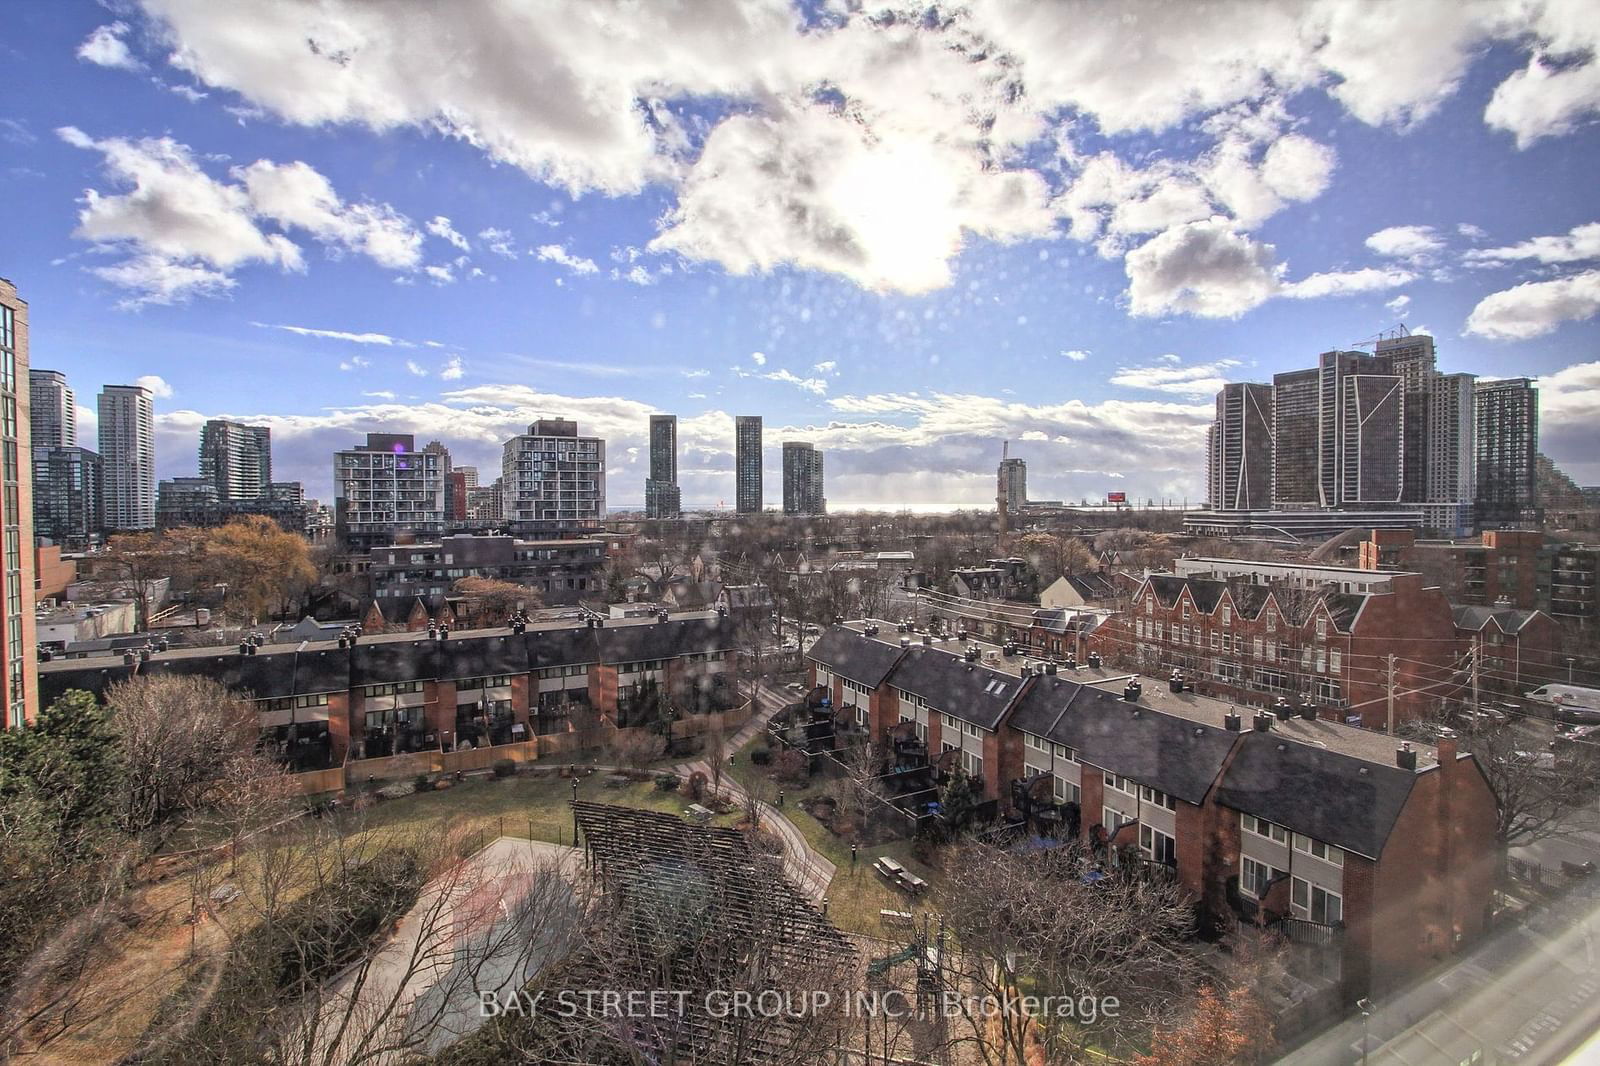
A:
(392, 693)
(560, 572)
(1377, 857)
(385, 488)
(553, 482)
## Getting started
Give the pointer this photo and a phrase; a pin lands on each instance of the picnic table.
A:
(898, 876)
(698, 814)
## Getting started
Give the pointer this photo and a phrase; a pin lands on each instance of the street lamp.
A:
(1366, 1015)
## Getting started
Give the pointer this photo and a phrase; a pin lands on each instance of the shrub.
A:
(761, 757)
(667, 782)
(423, 783)
(695, 787)
(793, 768)
(504, 768)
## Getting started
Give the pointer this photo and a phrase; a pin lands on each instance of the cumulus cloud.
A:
(1569, 412)
(1201, 268)
(1405, 242)
(105, 47)
(355, 362)
(1535, 308)
(1399, 303)
(1077, 355)
(873, 143)
(156, 384)
(498, 241)
(452, 369)
(440, 227)
(1578, 244)
(186, 232)
(758, 358)
(554, 253)
(1344, 282)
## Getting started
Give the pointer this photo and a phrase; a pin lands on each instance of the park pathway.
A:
(810, 871)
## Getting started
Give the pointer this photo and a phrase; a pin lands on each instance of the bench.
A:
(888, 867)
(896, 918)
(913, 884)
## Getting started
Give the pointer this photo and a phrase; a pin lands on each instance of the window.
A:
(1227, 615)
(1036, 743)
(1334, 661)
(1157, 798)
(1114, 819)
(1263, 828)
(1322, 628)
(1065, 753)
(1315, 903)
(1186, 609)
(1318, 850)
(1120, 784)
(1067, 792)
(1272, 621)
(1254, 877)
(1158, 846)
(972, 763)
(951, 722)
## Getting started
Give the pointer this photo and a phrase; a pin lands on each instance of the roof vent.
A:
(661, 616)
(905, 642)
(1308, 711)
(1262, 721)
(1282, 711)
(927, 641)
(1050, 669)
(243, 647)
(1405, 757)
(1131, 691)
(961, 635)
(1094, 660)
(127, 658)
(144, 655)
(1025, 670)
(1232, 722)
(870, 631)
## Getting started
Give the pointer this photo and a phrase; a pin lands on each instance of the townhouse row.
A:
(391, 693)
(1385, 853)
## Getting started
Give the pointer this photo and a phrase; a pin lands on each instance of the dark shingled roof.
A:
(664, 640)
(1475, 619)
(264, 676)
(321, 670)
(92, 679)
(1091, 586)
(378, 663)
(1176, 755)
(561, 647)
(486, 656)
(1331, 797)
(1249, 598)
(862, 659)
(970, 691)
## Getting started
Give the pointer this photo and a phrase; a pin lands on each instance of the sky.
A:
(906, 234)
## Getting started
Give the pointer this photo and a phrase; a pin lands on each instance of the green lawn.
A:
(531, 806)
(854, 897)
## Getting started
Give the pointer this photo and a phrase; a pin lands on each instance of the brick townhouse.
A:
(1383, 855)
(1252, 641)
(408, 691)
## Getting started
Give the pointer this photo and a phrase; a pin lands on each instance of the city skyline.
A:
(1150, 233)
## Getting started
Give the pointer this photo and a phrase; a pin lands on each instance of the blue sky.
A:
(906, 238)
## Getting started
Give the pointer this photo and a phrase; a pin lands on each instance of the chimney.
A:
(1094, 660)
(1262, 721)
(1405, 757)
(905, 642)
(244, 648)
(127, 658)
(927, 641)
(1282, 711)
(1050, 668)
(1308, 711)
(1232, 722)
(144, 655)
(1131, 691)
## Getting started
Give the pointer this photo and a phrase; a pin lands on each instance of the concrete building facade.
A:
(127, 457)
(747, 464)
(18, 681)
(1240, 454)
(1506, 416)
(552, 480)
(236, 458)
(662, 498)
(802, 479)
(53, 411)
(384, 488)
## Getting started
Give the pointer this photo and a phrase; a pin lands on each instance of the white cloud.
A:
(105, 47)
(814, 385)
(1569, 412)
(156, 384)
(416, 368)
(1535, 308)
(827, 366)
(1077, 355)
(758, 358)
(554, 253)
(1344, 282)
(185, 232)
(1399, 303)
(452, 369)
(1405, 242)
(1560, 85)
(1578, 244)
(355, 362)
(341, 335)
(1201, 379)
(698, 373)
(295, 194)
(380, 394)
(1201, 268)
(498, 241)
(440, 227)
(1471, 232)
(441, 273)
(872, 144)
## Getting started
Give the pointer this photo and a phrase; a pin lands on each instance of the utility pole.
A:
(1389, 696)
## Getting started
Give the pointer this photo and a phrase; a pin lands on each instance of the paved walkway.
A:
(809, 870)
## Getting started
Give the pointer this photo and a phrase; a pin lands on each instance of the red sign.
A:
(1116, 497)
